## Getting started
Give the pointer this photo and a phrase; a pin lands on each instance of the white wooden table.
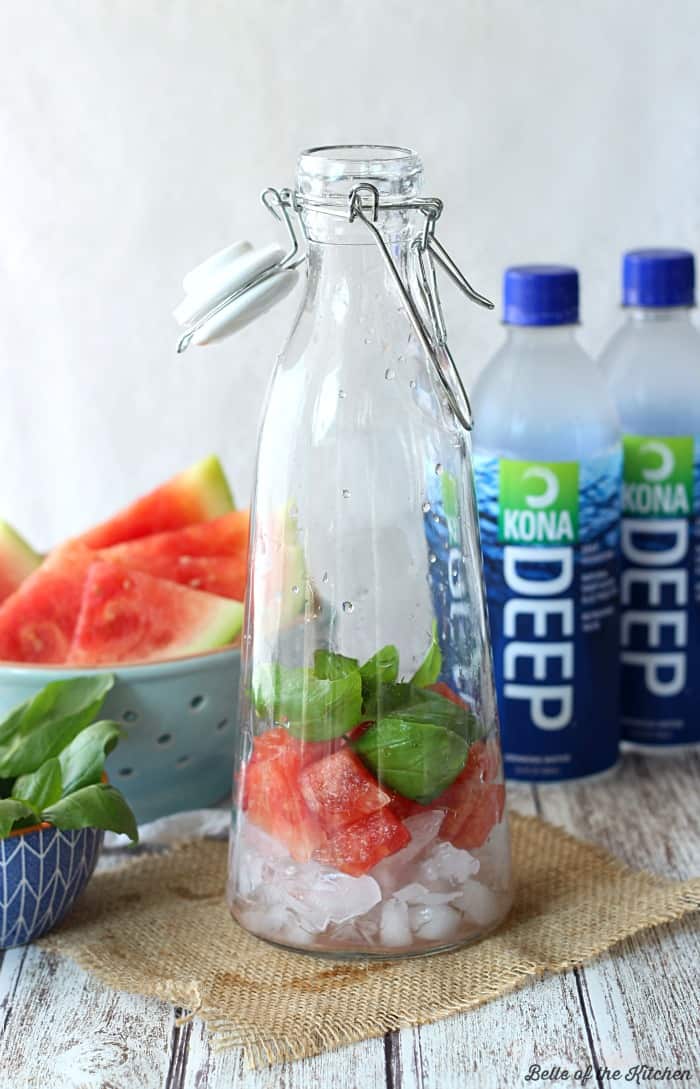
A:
(61, 1029)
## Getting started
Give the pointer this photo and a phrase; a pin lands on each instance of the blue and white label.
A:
(550, 542)
(660, 590)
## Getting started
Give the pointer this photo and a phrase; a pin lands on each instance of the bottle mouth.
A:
(332, 171)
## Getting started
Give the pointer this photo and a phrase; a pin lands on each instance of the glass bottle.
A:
(369, 811)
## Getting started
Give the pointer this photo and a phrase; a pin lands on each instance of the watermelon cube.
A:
(340, 790)
(358, 847)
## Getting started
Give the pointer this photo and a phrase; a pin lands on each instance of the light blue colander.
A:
(179, 720)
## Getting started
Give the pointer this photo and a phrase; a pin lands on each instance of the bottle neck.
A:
(347, 283)
(543, 338)
(653, 315)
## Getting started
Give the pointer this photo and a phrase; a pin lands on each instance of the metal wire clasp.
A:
(426, 250)
(420, 300)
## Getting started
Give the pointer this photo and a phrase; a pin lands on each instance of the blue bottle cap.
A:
(658, 277)
(540, 295)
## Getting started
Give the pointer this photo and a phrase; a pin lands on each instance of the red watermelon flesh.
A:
(195, 495)
(38, 620)
(127, 616)
(210, 556)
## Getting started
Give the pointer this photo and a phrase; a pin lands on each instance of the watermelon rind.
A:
(17, 558)
(209, 476)
(225, 626)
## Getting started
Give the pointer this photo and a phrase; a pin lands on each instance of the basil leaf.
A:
(429, 671)
(10, 723)
(50, 721)
(41, 787)
(83, 761)
(381, 669)
(329, 666)
(312, 708)
(14, 812)
(417, 759)
(96, 806)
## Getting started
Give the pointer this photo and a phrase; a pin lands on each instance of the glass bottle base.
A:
(349, 953)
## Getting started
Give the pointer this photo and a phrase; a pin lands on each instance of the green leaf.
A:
(429, 671)
(50, 721)
(83, 761)
(381, 669)
(10, 723)
(13, 812)
(329, 666)
(312, 708)
(96, 806)
(417, 759)
(41, 787)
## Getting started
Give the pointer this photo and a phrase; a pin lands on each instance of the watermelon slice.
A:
(211, 556)
(195, 495)
(38, 620)
(126, 616)
(17, 560)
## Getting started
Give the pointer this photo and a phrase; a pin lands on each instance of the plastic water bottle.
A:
(653, 369)
(548, 475)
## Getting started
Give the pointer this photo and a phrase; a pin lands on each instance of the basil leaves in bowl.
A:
(55, 803)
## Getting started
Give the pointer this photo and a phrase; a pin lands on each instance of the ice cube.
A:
(494, 857)
(447, 864)
(398, 869)
(327, 896)
(437, 923)
(418, 894)
(480, 903)
(395, 930)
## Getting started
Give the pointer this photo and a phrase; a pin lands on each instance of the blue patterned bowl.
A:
(43, 870)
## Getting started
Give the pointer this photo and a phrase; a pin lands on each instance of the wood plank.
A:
(493, 1046)
(641, 1001)
(360, 1066)
(66, 1030)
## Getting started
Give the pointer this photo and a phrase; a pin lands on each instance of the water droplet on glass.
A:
(412, 384)
(346, 493)
(295, 589)
(324, 577)
(348, 606)
(432, 558)
(438, 469)
(389, 374)
(367, 340)
(436, 517)
(425, 507)
(341, 393)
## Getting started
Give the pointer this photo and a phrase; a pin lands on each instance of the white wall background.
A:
(135, 136)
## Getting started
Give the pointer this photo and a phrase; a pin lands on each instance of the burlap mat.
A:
(159, 926)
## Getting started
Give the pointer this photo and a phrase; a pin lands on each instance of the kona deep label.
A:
(659, 590)
(550, 536)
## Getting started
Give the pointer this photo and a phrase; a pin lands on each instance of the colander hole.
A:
(130, 716)
(182, 760)
(164, 739)
(196, 702)
(222, 725)
(124, 773)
